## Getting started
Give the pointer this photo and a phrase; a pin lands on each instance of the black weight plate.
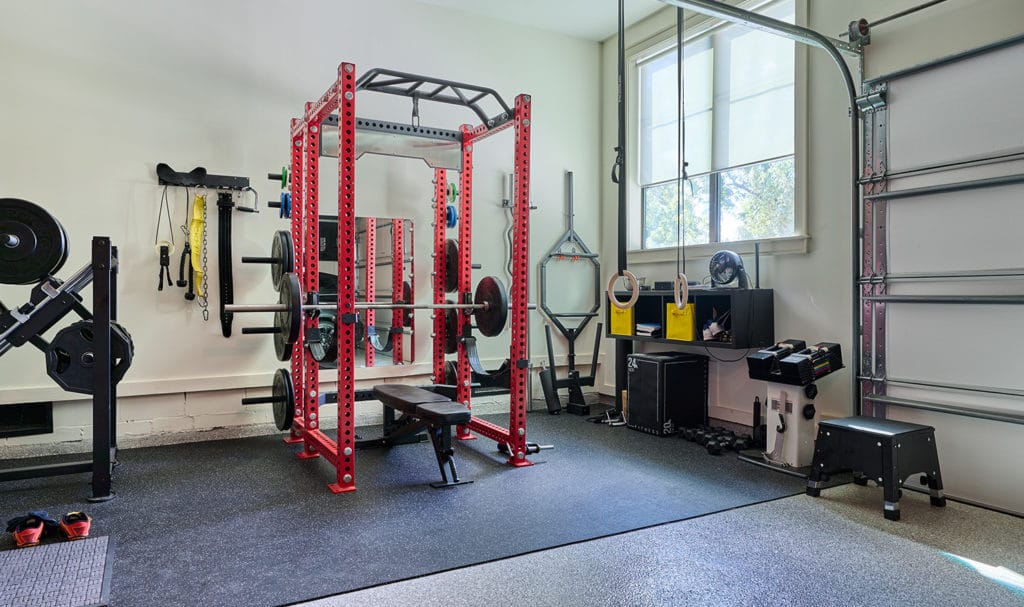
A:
(451, 265)
(33, 244)
(491, 291)
(407, 298)
(282, 250)
(288, 322)
(70, 357)
(451, 331)
(327, 349)
(284, 399)
(451, 373)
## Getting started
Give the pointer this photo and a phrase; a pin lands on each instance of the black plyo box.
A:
(667, 391)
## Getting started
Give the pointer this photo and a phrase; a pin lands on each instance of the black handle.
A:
(260, 260)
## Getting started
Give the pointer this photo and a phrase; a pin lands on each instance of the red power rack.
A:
(306, 151)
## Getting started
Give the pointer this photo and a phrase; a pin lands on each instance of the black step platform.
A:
(883, 450)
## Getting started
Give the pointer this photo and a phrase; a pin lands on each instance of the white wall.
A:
(95, 94)
(812, 292)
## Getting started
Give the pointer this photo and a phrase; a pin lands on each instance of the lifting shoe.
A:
(29, 529)
(75, 525)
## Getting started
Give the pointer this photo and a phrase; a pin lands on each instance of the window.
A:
(739, 86)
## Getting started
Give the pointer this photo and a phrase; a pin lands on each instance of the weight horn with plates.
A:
(282, 256)
(489, 308)
(282, 396)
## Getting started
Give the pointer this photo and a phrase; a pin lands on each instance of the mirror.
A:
(383, 262)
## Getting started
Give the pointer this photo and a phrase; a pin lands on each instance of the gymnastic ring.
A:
(634, 287)
(681, 291)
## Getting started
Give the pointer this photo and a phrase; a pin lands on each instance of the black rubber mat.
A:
(62, 574)
(244, 522)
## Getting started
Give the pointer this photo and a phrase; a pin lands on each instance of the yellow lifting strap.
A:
(195, 239)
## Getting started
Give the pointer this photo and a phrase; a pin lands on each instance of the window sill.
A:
(769, 246)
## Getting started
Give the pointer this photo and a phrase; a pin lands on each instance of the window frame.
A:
(663, 40)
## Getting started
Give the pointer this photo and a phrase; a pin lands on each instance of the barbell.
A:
(489, 307)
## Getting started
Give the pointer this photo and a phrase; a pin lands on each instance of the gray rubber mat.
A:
(62, 574)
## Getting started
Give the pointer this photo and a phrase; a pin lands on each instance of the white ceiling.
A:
(588, 19)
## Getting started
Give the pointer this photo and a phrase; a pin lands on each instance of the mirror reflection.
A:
(384, 274)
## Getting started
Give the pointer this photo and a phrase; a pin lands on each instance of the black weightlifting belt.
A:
(225, 204)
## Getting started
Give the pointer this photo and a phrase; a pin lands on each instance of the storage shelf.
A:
(751, 318)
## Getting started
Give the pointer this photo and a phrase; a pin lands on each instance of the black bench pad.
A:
(406, 398)
(443, 413)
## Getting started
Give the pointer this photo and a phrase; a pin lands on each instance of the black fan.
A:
(725, 267)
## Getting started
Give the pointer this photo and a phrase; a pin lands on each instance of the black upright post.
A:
(623, 348)
(102, 422)
(114, 269)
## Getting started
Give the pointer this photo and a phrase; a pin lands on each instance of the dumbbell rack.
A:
(305, 159)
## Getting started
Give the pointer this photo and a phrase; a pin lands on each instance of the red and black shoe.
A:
(28, 530)
(75, 525)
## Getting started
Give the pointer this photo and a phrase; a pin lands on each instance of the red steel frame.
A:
(305, 233)
(370, 280)
(440, 192)
(397, 294)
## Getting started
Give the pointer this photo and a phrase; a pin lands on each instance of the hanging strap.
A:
(619, 177)
(225, 204)
(195, 239)
(681, 289)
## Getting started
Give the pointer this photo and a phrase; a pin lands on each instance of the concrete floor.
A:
(834, 550)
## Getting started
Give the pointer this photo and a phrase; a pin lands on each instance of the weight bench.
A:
(882, 450)
(430, 410)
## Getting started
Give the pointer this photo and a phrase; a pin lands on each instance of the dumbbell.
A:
(689, 434)
(702, 437)
(714, 448)
(741, 443)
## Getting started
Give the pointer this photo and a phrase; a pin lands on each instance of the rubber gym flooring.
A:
(836, 550)
(243, 522)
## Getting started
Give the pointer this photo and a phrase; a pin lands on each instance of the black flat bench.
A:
(435, 412)
(883, 450)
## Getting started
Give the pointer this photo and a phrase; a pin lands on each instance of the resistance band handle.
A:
(190, 294)
(261, 400)
(185, 254)
(260, 330)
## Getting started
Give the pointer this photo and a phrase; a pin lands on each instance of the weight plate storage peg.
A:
(71, 357)
(33, 244)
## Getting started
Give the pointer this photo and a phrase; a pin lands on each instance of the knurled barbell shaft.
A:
(360, 305)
